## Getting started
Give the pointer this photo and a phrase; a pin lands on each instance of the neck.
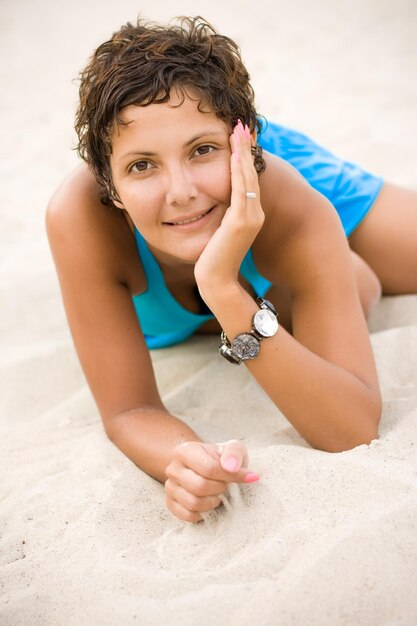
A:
(179, 273)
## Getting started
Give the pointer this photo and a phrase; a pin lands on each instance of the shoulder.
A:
(87, 232)
(295, 215)
(93, 248)
(303, 247)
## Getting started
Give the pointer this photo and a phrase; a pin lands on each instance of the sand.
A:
(323, 539)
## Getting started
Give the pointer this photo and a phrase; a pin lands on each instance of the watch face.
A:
(265, 323)
(245, 346)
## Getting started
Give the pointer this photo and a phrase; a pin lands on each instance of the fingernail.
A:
(247, 131)
(231, 463)
(251, 477)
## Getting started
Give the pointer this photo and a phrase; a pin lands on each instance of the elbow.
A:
(111, 430)
(358, 439)
(363, 431)
(110, 425)
(349, 443)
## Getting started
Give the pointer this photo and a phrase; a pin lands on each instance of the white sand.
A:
(85, 537)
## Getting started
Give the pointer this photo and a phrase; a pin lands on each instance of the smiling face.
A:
(171, 169)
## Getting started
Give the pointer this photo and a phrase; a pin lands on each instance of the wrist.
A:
(225, 294)
(246, 345)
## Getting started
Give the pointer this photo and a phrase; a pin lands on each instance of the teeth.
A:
(193, 219)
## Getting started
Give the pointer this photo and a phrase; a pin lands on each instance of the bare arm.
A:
(330, 406)
(94, 252)
(323, 378)
(88, 242)
(148, 436)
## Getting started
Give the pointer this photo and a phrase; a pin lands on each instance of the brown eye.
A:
(140, 166)
(204, 149)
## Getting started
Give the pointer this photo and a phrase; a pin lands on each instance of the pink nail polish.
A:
(251, 477)
(247, 131)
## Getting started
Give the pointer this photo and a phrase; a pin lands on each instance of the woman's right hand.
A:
(200, 472)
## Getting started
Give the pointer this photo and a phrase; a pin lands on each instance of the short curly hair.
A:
(140, 65)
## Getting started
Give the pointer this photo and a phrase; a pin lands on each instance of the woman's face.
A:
(170, 165)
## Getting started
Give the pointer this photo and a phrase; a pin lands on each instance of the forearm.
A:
(327, 404)
(148, 436)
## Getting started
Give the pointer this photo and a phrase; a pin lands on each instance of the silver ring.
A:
(251, 195)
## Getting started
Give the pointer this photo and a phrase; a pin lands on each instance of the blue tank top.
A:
(164, 321)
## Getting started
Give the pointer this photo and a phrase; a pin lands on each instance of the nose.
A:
(180, 185)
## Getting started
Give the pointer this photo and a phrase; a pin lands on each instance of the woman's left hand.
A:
(219, 263)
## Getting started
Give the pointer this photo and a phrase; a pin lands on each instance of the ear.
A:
(117, 204)
(254, 137)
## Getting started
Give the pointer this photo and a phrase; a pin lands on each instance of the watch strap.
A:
(246, 346)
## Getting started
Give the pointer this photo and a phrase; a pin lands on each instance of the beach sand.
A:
(321, 539)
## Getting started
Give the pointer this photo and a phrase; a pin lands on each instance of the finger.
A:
(238, 199)
(194, 482)
(235, 142)
(203, 467)
(199, 457)
(189, 501)
(232, 451)
(245, 139)
(181, 513)
(234, 460)
(244, 175)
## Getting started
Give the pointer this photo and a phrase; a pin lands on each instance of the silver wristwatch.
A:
(247, 345)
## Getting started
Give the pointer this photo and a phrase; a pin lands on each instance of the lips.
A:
(189, 219)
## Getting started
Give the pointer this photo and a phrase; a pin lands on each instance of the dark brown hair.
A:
(140, 65)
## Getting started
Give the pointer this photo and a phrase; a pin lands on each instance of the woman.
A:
(178, 222)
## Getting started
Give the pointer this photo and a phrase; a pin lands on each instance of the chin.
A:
(190, 256)
(192, 249)
(198, 250)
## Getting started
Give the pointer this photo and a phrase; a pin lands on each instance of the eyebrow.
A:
(188, 143)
